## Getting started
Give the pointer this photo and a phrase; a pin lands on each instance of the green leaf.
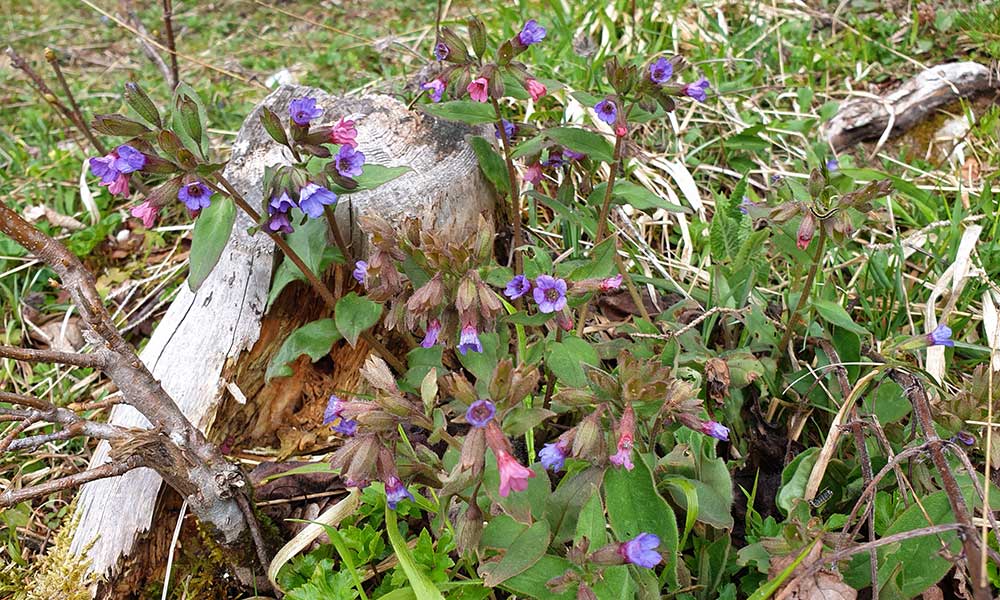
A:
(525, 506)
(314, 339)
(491, 163)
(198, 146)
(355, 314)
(522, 419)
(211, 233)
(794, 478)
(531, 583)
(310, 243)
(635, 507)
(466, 111)
(591, 523)
(374, 176)
(638, 196)
(566, 359)
(581, 140)
(562, 508)
(524, 551)
(422, 586)
(835, 314)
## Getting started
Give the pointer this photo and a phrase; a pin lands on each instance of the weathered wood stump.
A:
(868, 118)
(212, 347)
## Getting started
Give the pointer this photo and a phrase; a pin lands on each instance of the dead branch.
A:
(113, 469)
(86, 361)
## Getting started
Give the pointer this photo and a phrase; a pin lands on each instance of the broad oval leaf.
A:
(581, 140)
(524, 551)
(211, 233)
(466, 111)
(314, 339)
(354, 315)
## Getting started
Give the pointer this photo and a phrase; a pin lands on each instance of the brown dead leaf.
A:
(36, 213)
(803, 584)
(933, 593)
(717, 379)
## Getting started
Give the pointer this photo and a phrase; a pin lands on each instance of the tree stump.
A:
(211, 349)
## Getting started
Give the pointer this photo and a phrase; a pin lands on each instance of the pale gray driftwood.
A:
(868, 118)
(204, 331)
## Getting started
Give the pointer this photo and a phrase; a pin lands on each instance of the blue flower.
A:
(281, 204)
(641, 550)
(508, 128)
(304, 110)
(431, 336)
(517, 287)
(435, 87)
(531, 33)
(550, 293)
(312, 199)
(469, 339)
(606, 111)
(195, 195)
(129, 159)
(941, 336)
(697, 90)
(553, 456)
(360, 271)
(480, 413)
(661, 71)
(395, 491)
(334, 408)
(349, 161)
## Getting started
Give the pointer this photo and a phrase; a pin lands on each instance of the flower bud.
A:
(155, 164)
(585, 593)
(428, 297)
(505, 53)
(118, 125)
(137, 99)
(190, 119)
(165, 193)
(186, 159)
(524, 381)
(816, 183)
(589, 440)
(807, 228)
(500, 383)
(465, 297)
(474, 451)
(469, 529)
(457, 50)
(50, 55)
(477, 35)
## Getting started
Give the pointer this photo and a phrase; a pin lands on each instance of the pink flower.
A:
(513, 476)
(533, 174)
(535, 88)
(344, 133)
(478, 89)
(621, 131)
(119, 187)
(626, 431)
(611, 283)
(147, 212)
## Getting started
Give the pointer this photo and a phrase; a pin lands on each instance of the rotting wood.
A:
(204, 341)
(867, 118)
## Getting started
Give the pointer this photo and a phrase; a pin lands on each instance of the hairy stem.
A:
(168, 29)
(806, 288)
(515, 187)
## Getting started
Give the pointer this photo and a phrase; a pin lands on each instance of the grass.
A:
(780, 70)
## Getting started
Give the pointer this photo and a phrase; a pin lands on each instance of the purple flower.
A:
(554, 160)
(129, 159)
(697, 90)
(441, 51)
(349, 161)
(941, 336)
(312, 198)
(550, 293)
(965, 437)
(508, 128)
(395, 491)
(469, 339)
(517, 287)
(281, 204)
(104, 167)
(606, 111)
(195, 195)
(436, 88)
(641, 550)
(334, 408)
(553, 456)
(347, 427)
(716, 430)
(480, 413)
(360, 271)
(304, 110)
(531, 33)
(572, 155)
(431, 336)
(661, 71)
(832, 165)
(280, 222)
